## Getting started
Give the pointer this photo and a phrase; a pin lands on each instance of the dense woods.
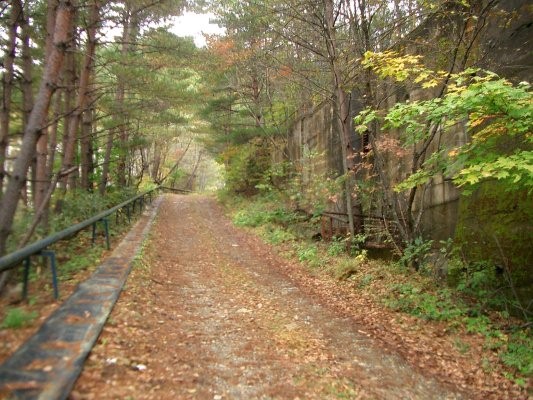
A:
(91, 91)
(410, 98)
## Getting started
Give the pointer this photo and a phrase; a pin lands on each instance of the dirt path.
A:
(211, 314)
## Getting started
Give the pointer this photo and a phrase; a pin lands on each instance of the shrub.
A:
(416, 253)
(519, 352)
(308, 254)
(277, 236)
(431, 306)
(336, 247)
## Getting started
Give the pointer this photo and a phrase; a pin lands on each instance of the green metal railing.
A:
(13, 260)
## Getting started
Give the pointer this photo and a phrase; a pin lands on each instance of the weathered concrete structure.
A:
(503, 45)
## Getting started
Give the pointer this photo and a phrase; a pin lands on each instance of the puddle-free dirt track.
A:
(210, 312)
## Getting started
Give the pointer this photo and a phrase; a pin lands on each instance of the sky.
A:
(192, 24)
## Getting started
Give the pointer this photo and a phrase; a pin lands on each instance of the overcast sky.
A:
(192, 24)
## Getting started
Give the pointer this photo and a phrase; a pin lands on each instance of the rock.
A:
(140, 367)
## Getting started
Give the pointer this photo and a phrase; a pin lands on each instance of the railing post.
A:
(27, 262)
(104, 221)
(106, 229)
(51, 255)
(93, 237)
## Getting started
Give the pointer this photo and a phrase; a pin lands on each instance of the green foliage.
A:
(416, 253)
(492, 224)
(245, 167)
(308, 253)
(18, 318)
(258, 213)
(245, 218)
(313, 194)
(336, 247)
(79, 205)
(432, 306)
(478, 279)
(519, 354)
(480, 324)
(80, 261)
(461, 346)
(278, 235)
(365, 281)
(499, 118)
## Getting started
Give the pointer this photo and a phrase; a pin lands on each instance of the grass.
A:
(17, 318)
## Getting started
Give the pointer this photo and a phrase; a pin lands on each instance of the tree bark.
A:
(7, 86)
(83, 92)
(86, 150)
(43, 151)
(155, 173)
(343, 113)
(39, 162)
(33, 130)
(131, 27)
(120, 116)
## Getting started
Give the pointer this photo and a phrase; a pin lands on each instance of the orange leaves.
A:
(285, 71)
(227, 51)
(391, 145)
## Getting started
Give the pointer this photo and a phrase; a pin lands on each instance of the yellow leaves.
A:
(453, 152)
(430, 83)
(401, 67)
(422, 77)
(478, 121)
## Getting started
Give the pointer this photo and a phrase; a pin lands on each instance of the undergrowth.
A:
(466, 299)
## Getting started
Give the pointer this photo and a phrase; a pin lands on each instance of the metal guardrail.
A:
(11, 261)
(175, 190)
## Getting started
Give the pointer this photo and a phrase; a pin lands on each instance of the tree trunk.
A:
(120, 117)
(190, 182)
(38, 169)
(41, 175)
(52, 145)
(83, 93)
(155, 173)
(343, 113)
(69, 83)
(33, 130)
(86, 150)
(127, 38)
(7, 86)
(105, 164)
